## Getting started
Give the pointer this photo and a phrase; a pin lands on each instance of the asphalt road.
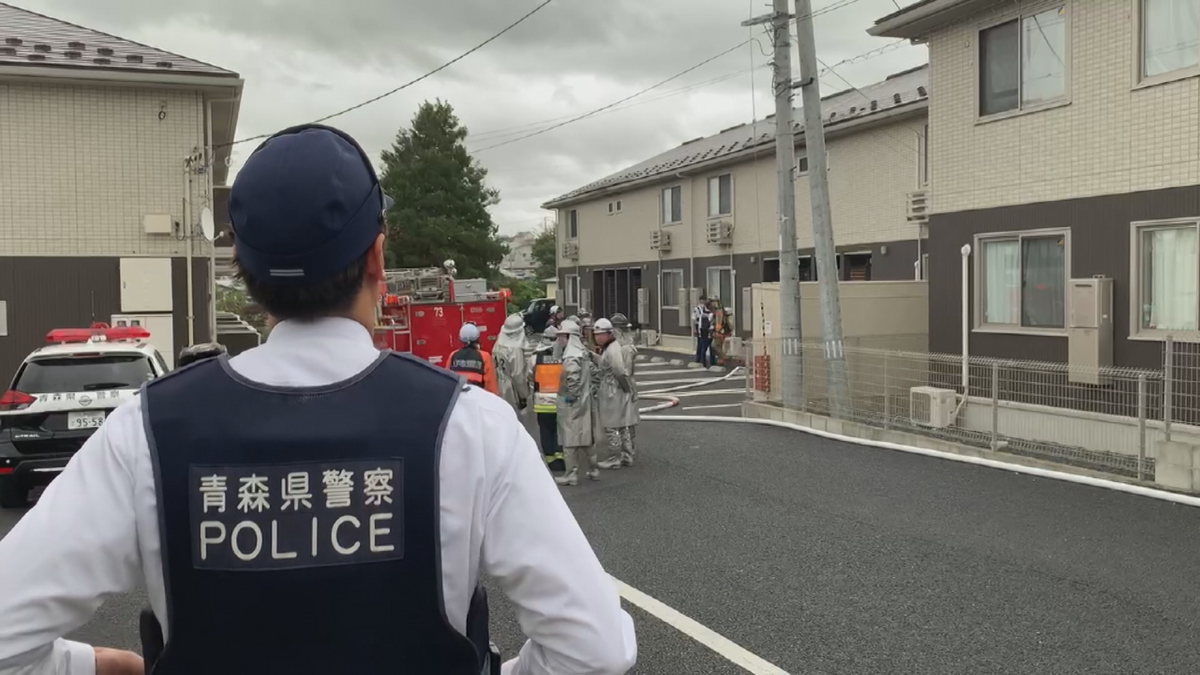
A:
(824, 557)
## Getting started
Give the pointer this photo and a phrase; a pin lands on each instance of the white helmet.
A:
(602, 325)
(513, 322)
(550, 333)
(468, 333)
(570, 328)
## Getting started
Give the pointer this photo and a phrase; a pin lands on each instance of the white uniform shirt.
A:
(94, 533)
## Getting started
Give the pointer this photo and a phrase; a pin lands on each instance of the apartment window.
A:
(720, 195)
(614, 207)
(672, 284)
(672, 205)
(770, 272)
(572, 224)
(858, 266)
(1167, 274)
(572, 289)
(618, 206)
(1170, 39)
(1022, 280)
(610, 208)
(720, 285)
(1022, 63)
(802, 165)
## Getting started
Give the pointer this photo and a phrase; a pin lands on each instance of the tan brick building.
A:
(701, 218)
(94, 223)
(1064, 144)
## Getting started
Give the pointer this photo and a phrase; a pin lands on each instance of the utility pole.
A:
(818, 181)
(791, 356)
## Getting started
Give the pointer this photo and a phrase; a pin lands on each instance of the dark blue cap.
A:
(305, 205)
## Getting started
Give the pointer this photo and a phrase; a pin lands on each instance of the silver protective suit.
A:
(574, 407)
(510, 362)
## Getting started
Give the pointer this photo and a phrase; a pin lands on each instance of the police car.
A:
(61, 394)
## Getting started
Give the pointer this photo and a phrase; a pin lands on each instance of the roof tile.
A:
(897, 90)
(46, 41)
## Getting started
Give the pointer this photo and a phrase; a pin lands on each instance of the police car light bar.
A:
(97, 333)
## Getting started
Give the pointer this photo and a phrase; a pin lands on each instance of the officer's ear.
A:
(375, 261)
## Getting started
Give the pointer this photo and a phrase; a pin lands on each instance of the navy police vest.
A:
(300, 526)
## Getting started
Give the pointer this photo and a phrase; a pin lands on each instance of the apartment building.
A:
(701, 218)
(97, 212)
(1064, 146)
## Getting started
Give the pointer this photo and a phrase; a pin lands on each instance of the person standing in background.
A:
(545, 373)
(574, 407)
(616, 389)
(508, 356)
(702, 328)
(633, 413)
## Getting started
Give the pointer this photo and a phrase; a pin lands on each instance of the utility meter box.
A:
(1089, 329)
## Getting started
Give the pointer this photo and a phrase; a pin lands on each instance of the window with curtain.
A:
(1023, 281)
(1170, 36)
(1169, 277)
(720, 285)
(720, 195)
(1023, 62)
(672, 205)
(672, 281)
(572, 289)
(572, 224)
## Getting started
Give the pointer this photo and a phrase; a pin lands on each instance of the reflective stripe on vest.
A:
(468, 362)
(546, 373)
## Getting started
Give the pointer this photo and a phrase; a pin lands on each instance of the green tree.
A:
(441, 198)
(234, 299)
(524, 291)
(545, 254)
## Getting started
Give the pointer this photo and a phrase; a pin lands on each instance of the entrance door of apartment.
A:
(624, 302)
(720, 285)
(610, 294)
(597, 308)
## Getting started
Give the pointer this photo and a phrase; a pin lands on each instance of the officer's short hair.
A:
(334, 295)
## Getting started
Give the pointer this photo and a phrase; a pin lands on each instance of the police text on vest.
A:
(285, 516)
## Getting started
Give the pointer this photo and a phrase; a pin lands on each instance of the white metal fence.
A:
(1104, 419)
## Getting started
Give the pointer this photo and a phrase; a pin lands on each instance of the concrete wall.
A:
(81, 166)
(1112, 135)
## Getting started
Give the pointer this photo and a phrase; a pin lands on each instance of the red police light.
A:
(505, 294)
(98, 331)
(15, 400)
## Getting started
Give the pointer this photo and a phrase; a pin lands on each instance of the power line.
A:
(406, 85)
(494, 134)
(616, 103)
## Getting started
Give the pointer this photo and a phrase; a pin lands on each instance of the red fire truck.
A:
(422, 309)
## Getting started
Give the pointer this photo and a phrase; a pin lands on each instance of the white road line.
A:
(723, 646)
(712, 406)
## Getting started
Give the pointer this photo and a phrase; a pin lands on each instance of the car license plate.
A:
(85, 420)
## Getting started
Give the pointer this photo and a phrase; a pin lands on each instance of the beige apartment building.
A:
(701, 218)
(96, 209)
(1064, 146)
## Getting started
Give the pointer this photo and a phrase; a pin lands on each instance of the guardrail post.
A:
(1168, 386)
(1141, 403)
(995, 405)
(887, 394)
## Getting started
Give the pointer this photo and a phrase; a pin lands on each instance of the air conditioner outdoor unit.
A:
(660, 240)
(932, 407)
(570, 250)
(917, 205)
(719, 232)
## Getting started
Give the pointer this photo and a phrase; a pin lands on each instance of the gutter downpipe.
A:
(966, 320)
(212, 205)
(187, 234)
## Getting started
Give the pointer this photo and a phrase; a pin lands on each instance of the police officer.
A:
(311, 505)
(472, 362)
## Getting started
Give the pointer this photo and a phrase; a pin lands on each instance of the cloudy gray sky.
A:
(304, 59)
